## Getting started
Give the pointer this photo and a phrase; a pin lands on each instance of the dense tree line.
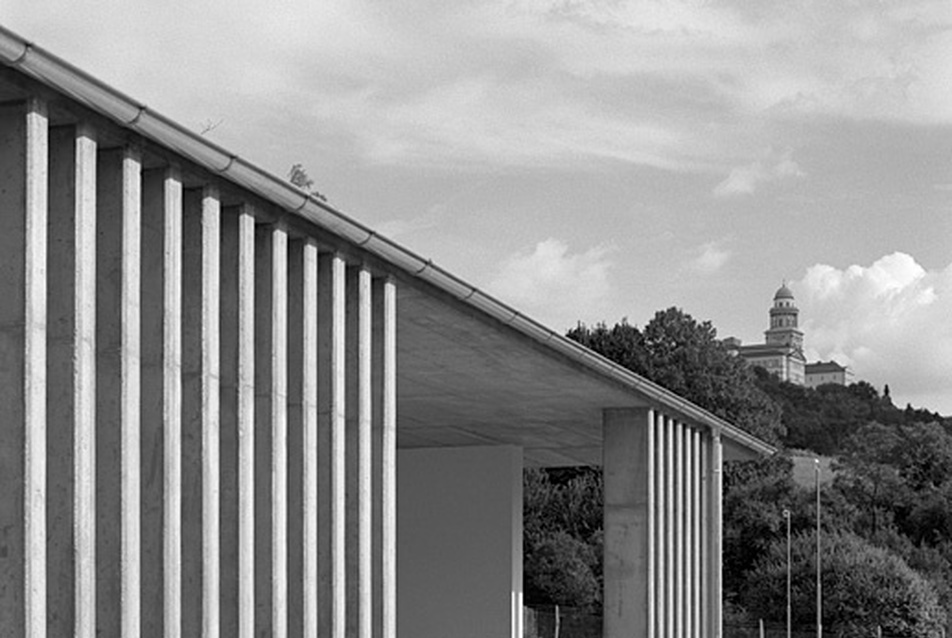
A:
(887, 514)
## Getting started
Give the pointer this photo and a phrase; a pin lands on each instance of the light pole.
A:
(819, 590)
(786, 515)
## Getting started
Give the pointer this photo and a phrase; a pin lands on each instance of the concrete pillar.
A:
(279, 438)
(668, 546)
(716, 535)
(71, 368)
(332, 564)
(201, 409)
(359, 449)
(660, 455)
(271, 431)
(302, 438)
(118, 468)
(237, 417)
(705, 462)
(679, 485)
(697, 539)
(384, 457)
(629, 485)
(460, 542)
(23, 242)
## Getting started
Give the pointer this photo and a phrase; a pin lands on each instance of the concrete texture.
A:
(459, 542)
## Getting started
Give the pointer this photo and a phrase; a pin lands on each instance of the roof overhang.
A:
(472, 370)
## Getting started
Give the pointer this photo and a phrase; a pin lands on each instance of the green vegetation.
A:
(887, 514)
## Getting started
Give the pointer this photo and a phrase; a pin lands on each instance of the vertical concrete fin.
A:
(716, 527)
(84, 383)
(279, 424)
(130, 393)
(332, 561)
(388, 460)
(359, 451)
(246, 422)
(210, 409)
(661, 570)
(697, 514)
(118, 505)
(309, 410)
(172, 404)
(679, 607)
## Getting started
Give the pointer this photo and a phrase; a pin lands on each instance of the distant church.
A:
(782, 352)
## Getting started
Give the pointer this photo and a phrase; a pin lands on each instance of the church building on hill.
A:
(782, 351)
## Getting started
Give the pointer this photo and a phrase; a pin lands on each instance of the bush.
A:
(863, 587)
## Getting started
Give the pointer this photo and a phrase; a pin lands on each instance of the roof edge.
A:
(128, 113)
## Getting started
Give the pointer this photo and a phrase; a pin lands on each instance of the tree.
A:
(299, 177)
(863, 587)
(562, 537)
(685, 356)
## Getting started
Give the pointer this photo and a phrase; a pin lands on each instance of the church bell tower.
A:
(783, 321)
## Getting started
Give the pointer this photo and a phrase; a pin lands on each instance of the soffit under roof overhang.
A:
(471, 370)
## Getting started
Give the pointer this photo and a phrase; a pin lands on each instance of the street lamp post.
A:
(786, 515)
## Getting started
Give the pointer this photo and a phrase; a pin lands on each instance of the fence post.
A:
(558, 622)
(761, 623)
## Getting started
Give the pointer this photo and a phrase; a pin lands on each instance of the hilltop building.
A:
(824, 372)
(782, 350)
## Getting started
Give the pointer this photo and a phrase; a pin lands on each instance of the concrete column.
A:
(301, 435)
(309, 425)
(679, 485)
(670, 532)
(72, 364)
(201, 410)
(84, 384)
(271, 431)
(659, 453)
(384, 457)
(689, 603)
(23, 242)
(716, 527)
(697, 539)
(628, 466)
(279, 437)
(460, 542)
(172, 405)
(359, 492)
(705, 462)
(118, 468)
(237, 417)
(332, 564)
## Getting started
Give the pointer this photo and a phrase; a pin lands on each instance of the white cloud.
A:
(676, 85)
(554, 285)
(889, 321)
(711, 258)
(744, 180)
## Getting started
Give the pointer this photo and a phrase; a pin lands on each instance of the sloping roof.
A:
(130, 114)
(824, 366)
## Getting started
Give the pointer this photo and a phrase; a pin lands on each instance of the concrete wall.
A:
(459, 542)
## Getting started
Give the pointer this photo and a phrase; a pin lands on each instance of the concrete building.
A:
(782, 351)
(230, 410)
(824, 372)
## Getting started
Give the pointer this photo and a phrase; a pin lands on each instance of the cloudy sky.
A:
(588, 160)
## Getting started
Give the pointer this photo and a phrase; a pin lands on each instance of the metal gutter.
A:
(98, 96)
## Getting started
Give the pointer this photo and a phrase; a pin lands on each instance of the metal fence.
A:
(553, 621)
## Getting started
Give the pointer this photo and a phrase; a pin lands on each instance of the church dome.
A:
(783, 293)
